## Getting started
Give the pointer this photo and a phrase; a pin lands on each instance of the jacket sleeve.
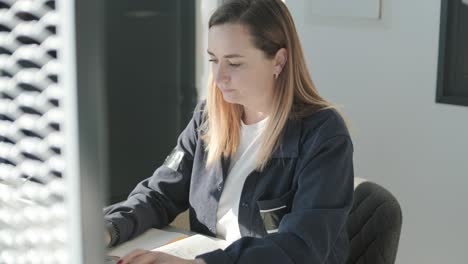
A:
(307, 234)
(157, 200)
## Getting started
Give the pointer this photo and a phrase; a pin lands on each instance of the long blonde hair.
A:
(295, 96)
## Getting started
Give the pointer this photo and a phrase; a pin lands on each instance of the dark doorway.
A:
(150, 68)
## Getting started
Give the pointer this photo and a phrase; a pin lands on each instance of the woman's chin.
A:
(230, 99)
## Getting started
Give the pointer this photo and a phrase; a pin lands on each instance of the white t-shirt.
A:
(241, 165)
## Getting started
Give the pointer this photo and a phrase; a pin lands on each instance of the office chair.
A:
(374, 225)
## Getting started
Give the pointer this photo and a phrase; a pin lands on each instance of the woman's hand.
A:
(141, 256)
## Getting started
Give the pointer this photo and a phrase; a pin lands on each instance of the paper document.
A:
(193, 246)
(151, 239)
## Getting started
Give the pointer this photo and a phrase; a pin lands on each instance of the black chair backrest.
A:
(374, 225)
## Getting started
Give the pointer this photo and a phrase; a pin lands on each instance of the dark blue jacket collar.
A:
(288, 146)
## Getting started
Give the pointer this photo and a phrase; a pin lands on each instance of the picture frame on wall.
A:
(452, 74)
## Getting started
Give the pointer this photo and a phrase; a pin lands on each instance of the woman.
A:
(265, 162)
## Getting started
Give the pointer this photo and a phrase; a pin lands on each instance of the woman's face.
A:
(242, 72)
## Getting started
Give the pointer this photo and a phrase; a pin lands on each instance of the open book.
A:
(193, 246)
(172, 241)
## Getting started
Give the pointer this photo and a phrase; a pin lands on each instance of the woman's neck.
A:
(252, 116)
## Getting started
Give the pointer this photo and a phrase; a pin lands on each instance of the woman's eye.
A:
(213, 60)
(234, 64)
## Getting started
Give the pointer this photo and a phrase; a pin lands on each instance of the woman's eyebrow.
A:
(227, 56)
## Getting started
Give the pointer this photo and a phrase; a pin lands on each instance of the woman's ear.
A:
(280, 60)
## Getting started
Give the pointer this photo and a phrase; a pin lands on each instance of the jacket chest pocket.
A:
(272, 211)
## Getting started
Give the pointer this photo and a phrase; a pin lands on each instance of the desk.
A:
(171, 240)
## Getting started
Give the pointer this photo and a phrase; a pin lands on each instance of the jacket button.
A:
(220, 187)
(244, 204)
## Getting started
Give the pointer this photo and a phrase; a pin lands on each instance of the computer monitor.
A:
(52, 129)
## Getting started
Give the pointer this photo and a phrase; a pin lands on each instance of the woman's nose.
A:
(222, 76)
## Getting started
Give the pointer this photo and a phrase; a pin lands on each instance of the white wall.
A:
(384, 73)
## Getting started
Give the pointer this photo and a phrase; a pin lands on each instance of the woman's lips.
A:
(227, 90)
